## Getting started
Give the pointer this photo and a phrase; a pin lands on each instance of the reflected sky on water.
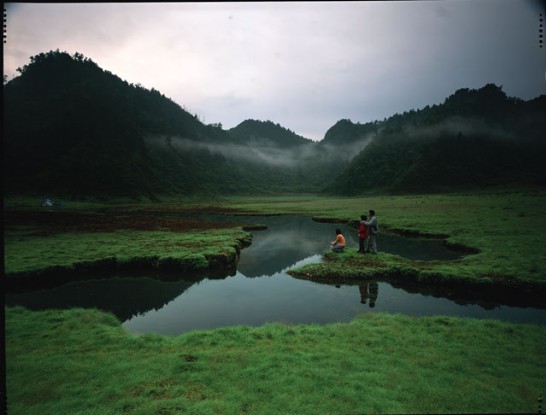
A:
(261, 291)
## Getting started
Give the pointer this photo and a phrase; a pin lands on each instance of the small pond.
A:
(261, 291)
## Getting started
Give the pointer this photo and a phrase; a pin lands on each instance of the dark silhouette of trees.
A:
(419, 151)
(76, 130)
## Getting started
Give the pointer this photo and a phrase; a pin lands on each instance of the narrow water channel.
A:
(261, 291)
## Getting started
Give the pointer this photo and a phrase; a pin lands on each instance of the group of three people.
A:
(367, 233)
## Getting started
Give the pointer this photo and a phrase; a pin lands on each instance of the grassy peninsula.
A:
(503, 231)
(44, 245)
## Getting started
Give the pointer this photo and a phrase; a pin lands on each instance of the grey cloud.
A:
(304, 65)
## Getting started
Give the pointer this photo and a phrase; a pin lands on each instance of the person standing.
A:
(373, 229)
(363, 235)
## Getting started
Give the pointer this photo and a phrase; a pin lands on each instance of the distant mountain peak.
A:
(255, 130)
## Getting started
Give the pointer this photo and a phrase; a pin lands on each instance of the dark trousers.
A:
(362, 244)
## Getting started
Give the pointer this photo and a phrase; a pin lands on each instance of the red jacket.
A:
(363, 230)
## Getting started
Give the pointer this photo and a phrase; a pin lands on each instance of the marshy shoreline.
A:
(377, 363)
(348, 268)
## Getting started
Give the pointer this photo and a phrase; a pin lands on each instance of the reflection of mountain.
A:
(480, 295)
(287, 241)
(313, 259)
(124, 297)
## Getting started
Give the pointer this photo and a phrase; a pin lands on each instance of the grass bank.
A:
(190, 251)
(439, 278)
(82, 362)
(505, 228)
(48, 244)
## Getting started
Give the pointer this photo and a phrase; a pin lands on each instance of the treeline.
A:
(268, 132)
(475, 139)
(75, 130)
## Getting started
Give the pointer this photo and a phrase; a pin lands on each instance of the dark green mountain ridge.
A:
(271, 133)
(75, 130)
(475, 139)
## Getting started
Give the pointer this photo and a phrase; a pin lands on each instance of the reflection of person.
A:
(369, 291)
(374, 290)
(363, 293)
(373, 231)
(363, 235)
(339, 243)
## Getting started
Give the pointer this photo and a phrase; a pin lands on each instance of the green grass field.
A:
(39, 241)
(163, 250)
(83, 362)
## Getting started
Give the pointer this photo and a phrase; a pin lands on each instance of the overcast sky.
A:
(304, 65)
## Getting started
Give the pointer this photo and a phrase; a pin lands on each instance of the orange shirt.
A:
(340, 240)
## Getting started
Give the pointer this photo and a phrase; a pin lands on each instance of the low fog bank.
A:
(264, 150)
(347, 151)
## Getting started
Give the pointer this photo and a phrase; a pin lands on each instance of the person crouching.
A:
(338, 245)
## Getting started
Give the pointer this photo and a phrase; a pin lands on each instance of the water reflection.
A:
(289, 239)
(124, 297)
(286, 241)
(368, 293)
(280, 298)
(261, 291)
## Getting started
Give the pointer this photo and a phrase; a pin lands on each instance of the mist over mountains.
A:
(74, 130)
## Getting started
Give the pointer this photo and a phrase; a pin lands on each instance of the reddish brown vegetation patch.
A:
(49, 222)
(198, 209)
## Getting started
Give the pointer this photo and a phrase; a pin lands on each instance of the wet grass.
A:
(352, 266)
(37, 242)
(506, 228)
(81, 361)
(26, 254)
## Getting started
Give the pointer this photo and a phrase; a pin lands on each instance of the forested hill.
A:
(74, 130)
(474, 139)
(268, 133)
(345, 132)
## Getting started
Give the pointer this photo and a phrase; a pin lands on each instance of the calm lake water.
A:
(261, 291)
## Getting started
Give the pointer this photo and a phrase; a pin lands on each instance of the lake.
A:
(261, 291)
